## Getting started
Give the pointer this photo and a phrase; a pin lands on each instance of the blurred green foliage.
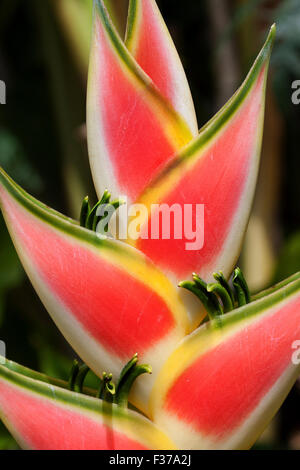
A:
(289, 258)
(11, 272)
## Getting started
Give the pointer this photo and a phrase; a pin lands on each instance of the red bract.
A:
(216, 386)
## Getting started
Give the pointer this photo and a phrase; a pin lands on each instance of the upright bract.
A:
(132, 128)
(108, 300)
(150, 43)
(226, 380)
(140, 145)
(217, 169)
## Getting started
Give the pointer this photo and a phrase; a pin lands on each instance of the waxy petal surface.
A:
(107, 299)
(42, 416)
(225, 382)
(149, 41)
(217, 170)
(132, 129)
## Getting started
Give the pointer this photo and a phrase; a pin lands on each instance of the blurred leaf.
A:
(286, 52)
(7, 442)
(15, 162)
(289, 259)
(288, 59)
(13, 159)
(53, 363)
(240, 15)
(11, 270)
(76, 19)
(57, 365)
(2, 305)
(11, 273)
(287, 16)
(67, 98)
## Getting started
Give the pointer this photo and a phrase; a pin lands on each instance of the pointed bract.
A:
(225, 382)
(132, 129)
(107, 299)
(149, 41)
(212, 182)
(43, 416)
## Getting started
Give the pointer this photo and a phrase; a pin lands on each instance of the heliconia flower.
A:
(132, 129)
(149, 41)
(41, 413)
(217, 168)
(226, 380)
(215, 387)
(108, 300)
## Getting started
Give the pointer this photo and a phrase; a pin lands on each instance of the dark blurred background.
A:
(44, 47)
